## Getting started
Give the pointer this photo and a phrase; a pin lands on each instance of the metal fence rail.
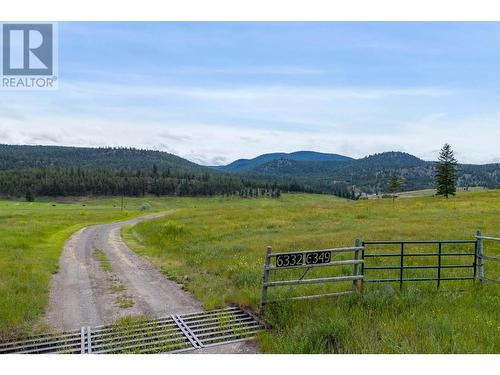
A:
(172, 334)
(481, 257)
(473, 267)
(307, 260)
(402, 255)
(70, 342)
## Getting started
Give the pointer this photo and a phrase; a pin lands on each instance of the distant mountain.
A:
(53, 170)
(369, 174)
(22, 156)
(244, 165)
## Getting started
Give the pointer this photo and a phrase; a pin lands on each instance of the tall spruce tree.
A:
(395, 183)
(446, 172)
(29, 196)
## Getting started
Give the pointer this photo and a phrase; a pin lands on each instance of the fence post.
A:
(89, 341)
(82, 341)
(265, 280)
(355, 271)
(401, 263)
(479, 256)
(440, 249)
(363, 266)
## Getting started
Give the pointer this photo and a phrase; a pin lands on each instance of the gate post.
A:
(265, 280)
(363, 266)
(355, 271)
(440, 251)
(479, 256)
(89, 341)
(82, 340)
(401, 265)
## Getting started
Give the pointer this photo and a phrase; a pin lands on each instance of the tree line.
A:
(81, 181)
(71, 181)
(78, 181)
(445, 175)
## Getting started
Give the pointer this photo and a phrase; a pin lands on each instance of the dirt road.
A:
(83, 294)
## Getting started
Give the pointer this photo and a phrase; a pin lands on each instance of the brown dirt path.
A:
(81, 293)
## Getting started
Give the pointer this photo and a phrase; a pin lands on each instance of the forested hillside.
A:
(53, 171)
(371, 174)
(243, 165)
(70, 171)
(21, 157)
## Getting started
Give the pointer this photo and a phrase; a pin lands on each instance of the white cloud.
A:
(296, 93)
(217, 125)
(212, 143)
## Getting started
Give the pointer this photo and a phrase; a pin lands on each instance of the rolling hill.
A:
(244, 165)
(59, 170)
(369, 174)
(22, 156)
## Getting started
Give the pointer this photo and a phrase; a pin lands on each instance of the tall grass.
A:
(32, 236)
(219, 253)
(215, 247)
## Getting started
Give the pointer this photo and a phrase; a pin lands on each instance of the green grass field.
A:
(216, 246)
(31, 240)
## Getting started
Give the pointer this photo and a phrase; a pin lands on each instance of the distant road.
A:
(81, 293)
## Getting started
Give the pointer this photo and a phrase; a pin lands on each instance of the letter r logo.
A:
(27, 49)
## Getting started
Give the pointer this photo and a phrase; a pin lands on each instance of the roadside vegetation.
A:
(32, 235)
(123, 300)
(103, 260)
(137, 332)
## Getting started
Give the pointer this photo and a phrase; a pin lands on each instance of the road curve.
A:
(81, 292)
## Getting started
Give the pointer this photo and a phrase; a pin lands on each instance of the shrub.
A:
(145, 206)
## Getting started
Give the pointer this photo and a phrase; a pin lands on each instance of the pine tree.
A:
(446, 172)
(395, 183)
(29, 196)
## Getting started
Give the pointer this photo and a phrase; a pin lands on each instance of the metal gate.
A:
(448, 260)
(172, 334)
(407, 252)
(307, 260)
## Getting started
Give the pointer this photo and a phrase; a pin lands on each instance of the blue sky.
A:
(216, 92)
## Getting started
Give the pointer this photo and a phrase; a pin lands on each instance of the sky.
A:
(217, 92)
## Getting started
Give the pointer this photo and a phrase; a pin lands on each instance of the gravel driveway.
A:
(82, 292)
(85, 294)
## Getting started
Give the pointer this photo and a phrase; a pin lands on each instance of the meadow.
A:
(32, 235)
(215, 247)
